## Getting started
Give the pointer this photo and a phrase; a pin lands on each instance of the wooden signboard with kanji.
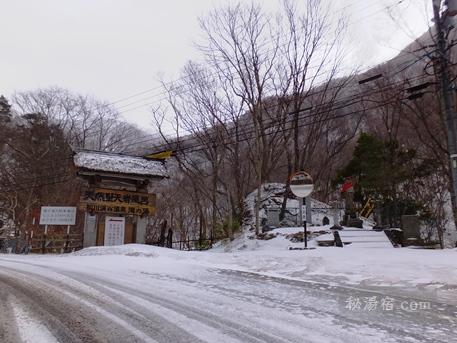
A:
(119, 202)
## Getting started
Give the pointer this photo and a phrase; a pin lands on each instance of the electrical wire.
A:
(343, 99)
(162, 93)
(201, 147)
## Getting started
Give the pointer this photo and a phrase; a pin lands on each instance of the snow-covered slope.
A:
(292, 237)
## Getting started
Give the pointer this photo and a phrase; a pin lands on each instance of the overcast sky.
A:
(115, 48)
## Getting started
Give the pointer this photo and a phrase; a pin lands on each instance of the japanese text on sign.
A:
(114, 231)
(112, 196)
(120, 202)
(57, 215)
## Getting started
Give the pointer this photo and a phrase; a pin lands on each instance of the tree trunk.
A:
(282, 213)
(257, 209)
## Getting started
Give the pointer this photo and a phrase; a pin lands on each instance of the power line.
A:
(186, 77)
(346, 98)
(302, 125)
(200, 147)
(345, 103)
(149, 138)
(191, 138)
(93, 134)
(354, 98)
(394, 73)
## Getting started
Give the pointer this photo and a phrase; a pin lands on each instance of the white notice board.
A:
(114, 230)
(57, 215)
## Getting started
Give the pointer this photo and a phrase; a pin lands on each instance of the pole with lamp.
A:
(301, 185)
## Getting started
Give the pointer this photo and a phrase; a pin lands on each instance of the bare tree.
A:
(308, 89)
(86, 121)
(238, 109)
(241, 47)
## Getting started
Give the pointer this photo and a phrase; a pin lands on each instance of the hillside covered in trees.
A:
(269, 97)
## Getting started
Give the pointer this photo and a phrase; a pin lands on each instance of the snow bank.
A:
(127, 250)
(357, 238)
(403, 267)
(354, 238)
(400, 268)
(369, 260)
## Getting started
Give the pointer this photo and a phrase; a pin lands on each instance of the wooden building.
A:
(117, 198)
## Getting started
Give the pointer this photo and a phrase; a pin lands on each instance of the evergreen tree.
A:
(383, 171)
(35, 167)
(5, 110)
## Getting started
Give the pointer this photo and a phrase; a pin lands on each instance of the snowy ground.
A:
(263, 293)
(422, 272)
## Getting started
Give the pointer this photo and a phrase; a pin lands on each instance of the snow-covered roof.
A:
(118, 163)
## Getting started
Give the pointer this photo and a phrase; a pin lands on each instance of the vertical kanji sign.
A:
(114, 231)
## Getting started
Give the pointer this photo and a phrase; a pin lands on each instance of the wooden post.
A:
(30, 245)
(67, 243)
(43, 243)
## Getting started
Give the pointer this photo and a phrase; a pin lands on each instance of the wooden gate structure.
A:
(116, 199)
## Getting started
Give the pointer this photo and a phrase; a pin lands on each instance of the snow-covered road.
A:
(142, 298)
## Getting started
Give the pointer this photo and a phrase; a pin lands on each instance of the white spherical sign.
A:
(301, 184)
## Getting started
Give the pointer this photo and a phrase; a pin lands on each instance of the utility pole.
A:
(447, 90)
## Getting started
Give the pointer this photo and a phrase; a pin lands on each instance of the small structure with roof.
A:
(117, 196)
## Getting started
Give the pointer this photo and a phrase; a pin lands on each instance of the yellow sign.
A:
(121, 202)
(163, 155)
(367, 209)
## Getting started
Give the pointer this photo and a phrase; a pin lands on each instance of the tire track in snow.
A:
(300, 297)
(68, 318)
(39, 306)
(235, 329)
(229, 284)
(195, 327)
(238, 330)
(30, 330)
(142, 324)
(8, 327)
